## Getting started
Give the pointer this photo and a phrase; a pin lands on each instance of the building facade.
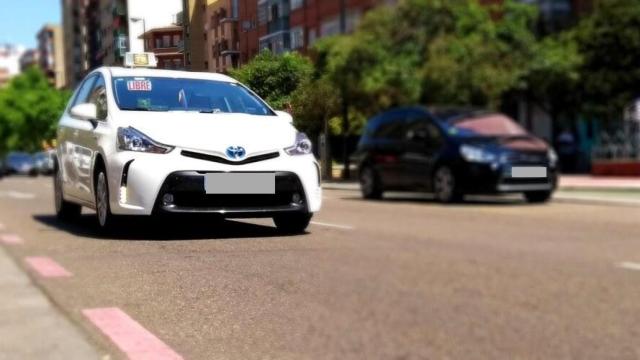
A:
(51, 54)
(100, 32)
(221, 35)
(192, 22)
(30, 58)
(9, 62)
(165, 43)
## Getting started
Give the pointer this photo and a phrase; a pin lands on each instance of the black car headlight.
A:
(476, 154)
(130, 139)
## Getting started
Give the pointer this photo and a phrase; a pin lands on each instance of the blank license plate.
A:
(528, 172)
(240, 183)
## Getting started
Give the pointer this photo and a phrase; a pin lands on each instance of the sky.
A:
(20, 20)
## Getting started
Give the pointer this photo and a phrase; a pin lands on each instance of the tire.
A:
(538, 197)
(65, 210)
(445, 186)
(106, 220)
(292, 223)
(370, 183)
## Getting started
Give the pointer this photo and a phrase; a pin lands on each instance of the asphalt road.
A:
(403, 278)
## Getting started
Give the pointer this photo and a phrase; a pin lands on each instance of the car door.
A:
(388, 138)
(87, 139)
(70, 152)
(424, 143)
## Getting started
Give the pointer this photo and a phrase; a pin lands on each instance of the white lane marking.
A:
(17, 195)
(343, 227)
(629, 265)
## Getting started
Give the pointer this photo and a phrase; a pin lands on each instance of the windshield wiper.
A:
(141, 109)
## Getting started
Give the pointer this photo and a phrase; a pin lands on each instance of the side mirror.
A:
(85, 112)
(285, 116)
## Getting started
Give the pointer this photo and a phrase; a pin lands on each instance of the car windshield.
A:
(487, 125)
(171, 94)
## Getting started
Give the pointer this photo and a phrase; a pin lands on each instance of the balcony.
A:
(279, 24)
(178, 19)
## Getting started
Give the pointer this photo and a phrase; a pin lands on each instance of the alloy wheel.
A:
(102, 199)
(444, 184)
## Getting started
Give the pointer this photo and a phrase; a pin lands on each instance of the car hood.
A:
(214, 132)
(527, 143)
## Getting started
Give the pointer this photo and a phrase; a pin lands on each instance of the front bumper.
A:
(493, 179)
(139, 181)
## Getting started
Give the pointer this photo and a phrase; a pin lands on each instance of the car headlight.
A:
(302, 146)
(476, 154)
(553, 156)
(130, 139)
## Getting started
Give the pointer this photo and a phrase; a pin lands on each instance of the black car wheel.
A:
(292, 223)
(370, 183)
(538, 197)
(106, 220)
(445, 187)
(64, 209)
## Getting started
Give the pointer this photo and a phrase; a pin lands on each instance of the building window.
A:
(297, 37)
(296, 4)
(312, 36)
(330, 27)
(262, 13)
(166, 41)
(176, 40)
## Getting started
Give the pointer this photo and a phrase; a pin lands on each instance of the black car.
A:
(20, 163)
(452, 152)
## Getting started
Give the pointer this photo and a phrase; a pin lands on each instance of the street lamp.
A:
(144, 30)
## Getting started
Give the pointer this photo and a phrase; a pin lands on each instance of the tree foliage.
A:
(274, 77)
(29, 111)
(609, 42)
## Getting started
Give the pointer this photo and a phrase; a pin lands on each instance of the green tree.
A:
(275, 77)
(29, 111)
(609, 41)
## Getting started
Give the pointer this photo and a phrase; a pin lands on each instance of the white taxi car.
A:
(136, 141)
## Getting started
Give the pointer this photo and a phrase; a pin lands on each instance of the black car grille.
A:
(221, 160)
(525, 158)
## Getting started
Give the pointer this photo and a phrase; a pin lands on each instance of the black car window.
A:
(391, 127)
(421, 129)
(98, 97)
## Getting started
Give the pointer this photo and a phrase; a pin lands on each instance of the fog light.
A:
(123, 194)
(167, 199)
(296, 198)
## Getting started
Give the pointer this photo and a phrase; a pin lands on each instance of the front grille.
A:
(187, 189)
(525, 158)
(221, 160)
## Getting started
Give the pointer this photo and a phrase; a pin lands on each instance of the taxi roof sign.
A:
(145, 60)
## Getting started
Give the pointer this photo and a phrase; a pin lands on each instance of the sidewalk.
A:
(30, 327)
(578, 182)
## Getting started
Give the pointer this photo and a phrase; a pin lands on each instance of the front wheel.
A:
(64, 209)
(538, 197)
(445, 186)
(104, 216)
(292, 223)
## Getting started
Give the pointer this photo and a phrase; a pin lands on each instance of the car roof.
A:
(143, 72)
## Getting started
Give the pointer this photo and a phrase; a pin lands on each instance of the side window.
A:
(82, 96)
(98, 97)
(423, 131)
(391, 128)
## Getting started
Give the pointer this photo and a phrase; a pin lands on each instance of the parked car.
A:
(452, 152)
(44, 162)
(146, 141)
(20, 163)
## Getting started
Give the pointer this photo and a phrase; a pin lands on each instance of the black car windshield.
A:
(172, 94)
(486, 125)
